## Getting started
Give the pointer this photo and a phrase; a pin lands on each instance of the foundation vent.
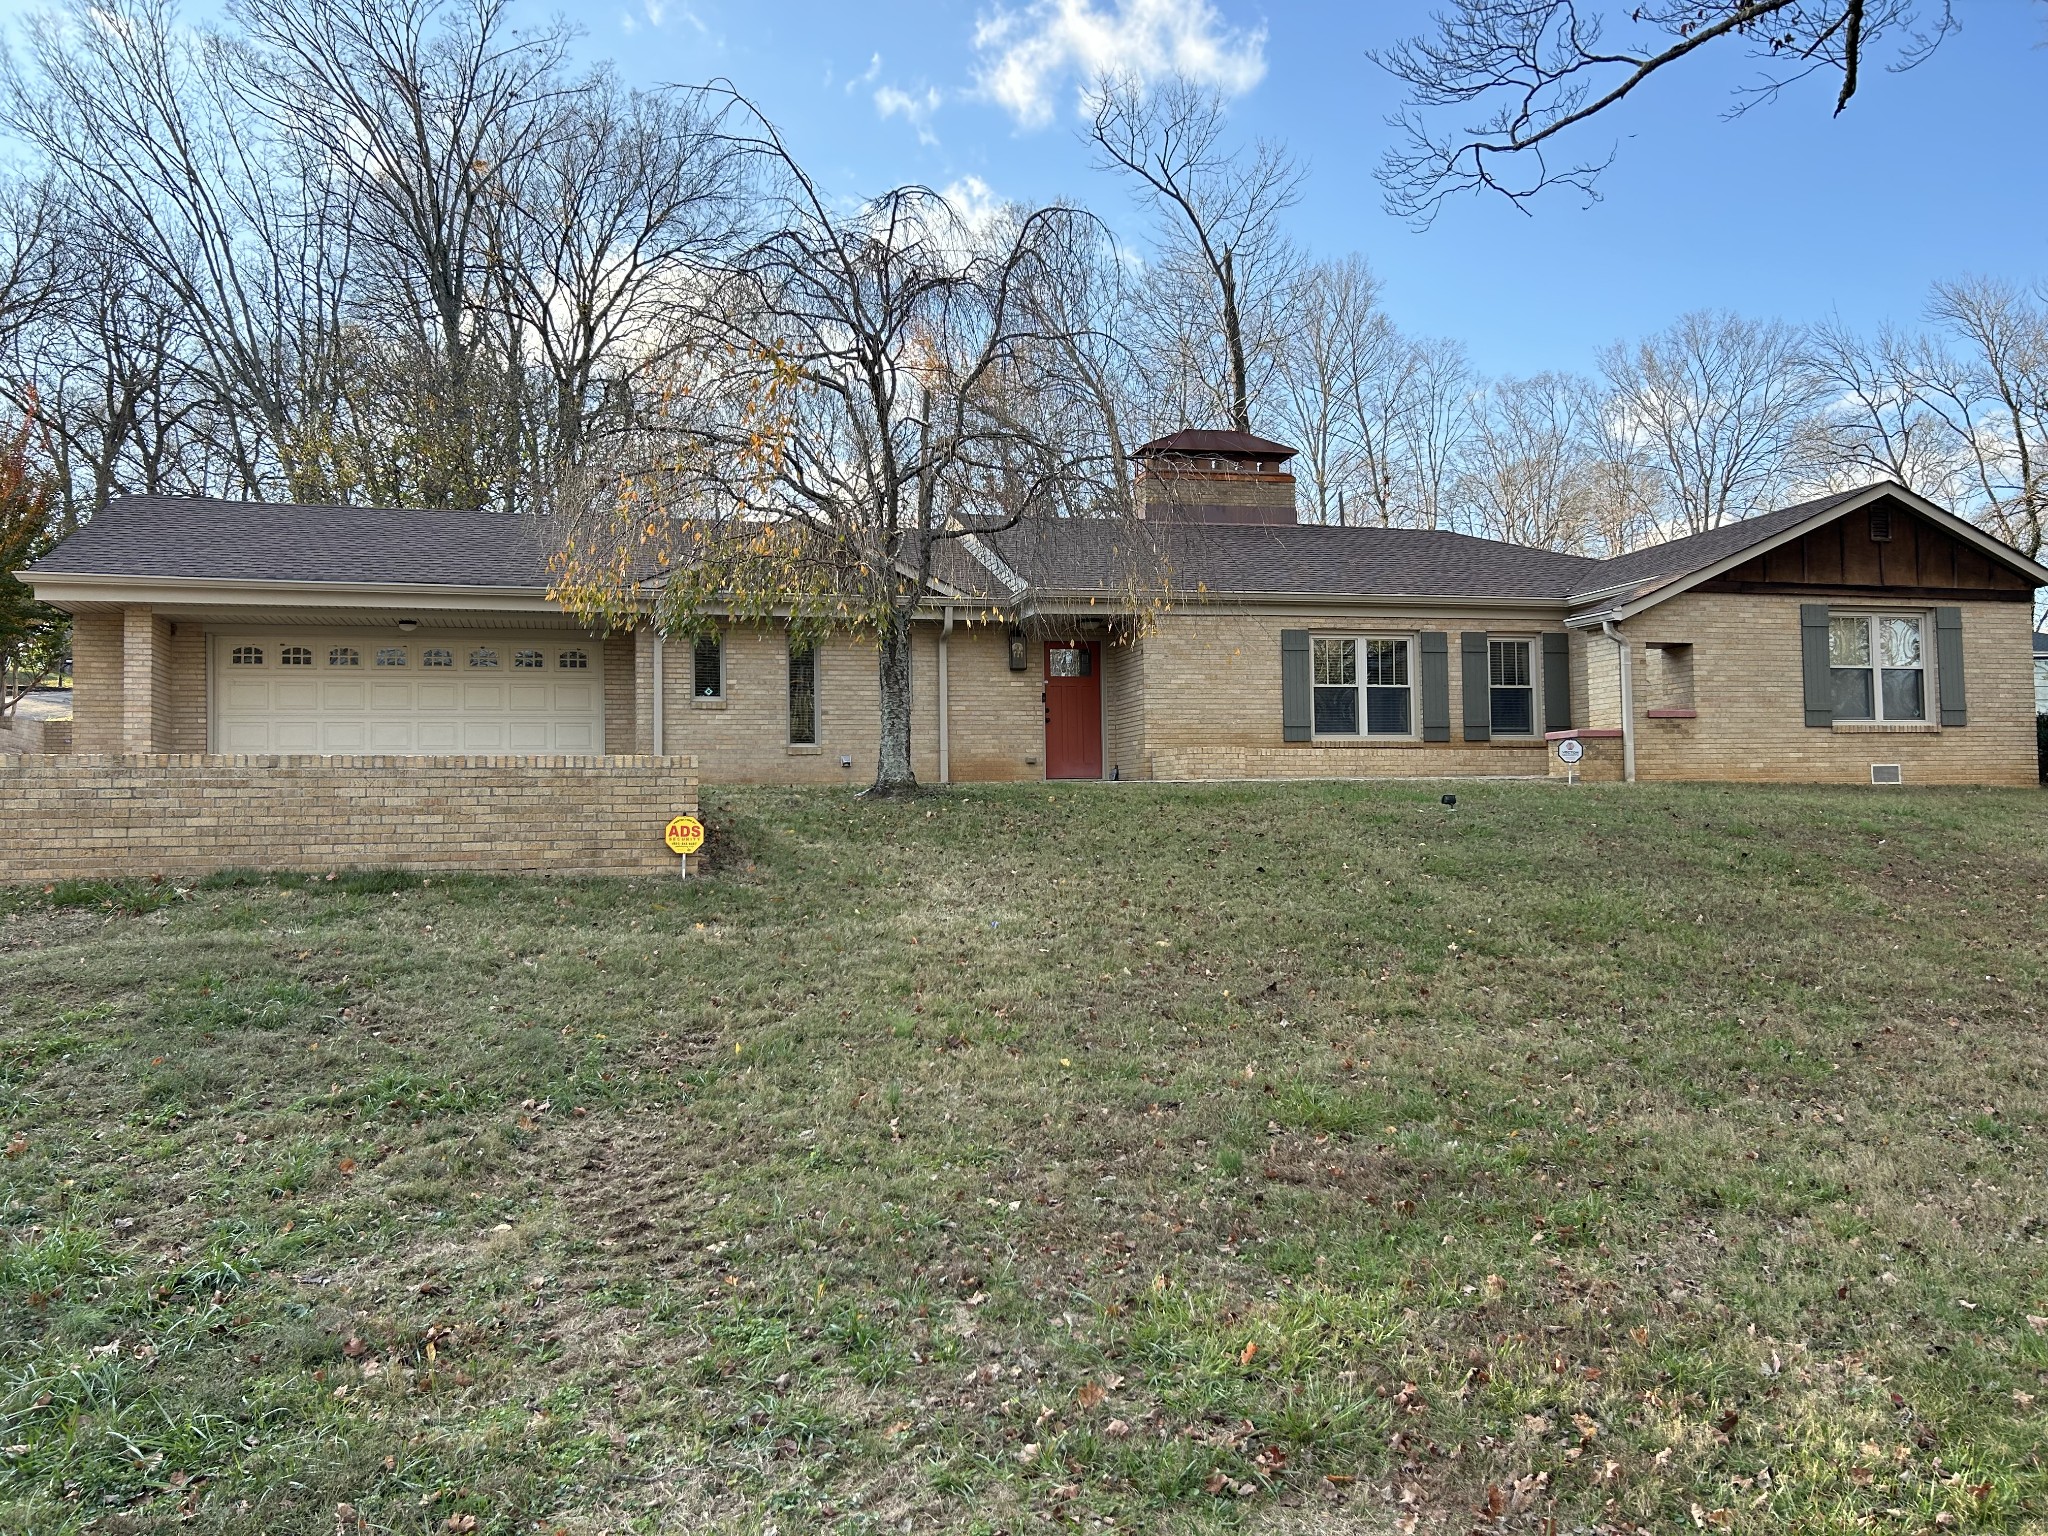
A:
(1886, 773)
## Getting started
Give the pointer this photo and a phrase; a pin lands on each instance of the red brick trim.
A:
(1584, 734)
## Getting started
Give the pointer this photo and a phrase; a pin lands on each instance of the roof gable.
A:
(1630, 583)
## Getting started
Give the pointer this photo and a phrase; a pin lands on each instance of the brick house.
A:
(1864, 636)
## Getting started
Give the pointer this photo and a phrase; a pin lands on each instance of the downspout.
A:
(945, 733)
(660, 734)
(1628, 700)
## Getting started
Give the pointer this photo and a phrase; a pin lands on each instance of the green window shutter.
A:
(1297, 692)
(1557, 682)
(1436, 685)
(1478, 687)
(1948, 656)
(1813, 665)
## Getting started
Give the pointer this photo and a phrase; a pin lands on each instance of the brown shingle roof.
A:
(199, 537)
(1193, 440)
(1642, 570)
(1081, 557)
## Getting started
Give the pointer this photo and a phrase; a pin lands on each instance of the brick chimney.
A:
(1215, 477)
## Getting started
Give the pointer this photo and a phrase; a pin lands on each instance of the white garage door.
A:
(332, 692)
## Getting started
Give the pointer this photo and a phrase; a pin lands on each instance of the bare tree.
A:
(1337, 351)
(1523, 74)
(1879, 421)
(430, 109)
(629, 202)
(1218, 214)
(858, 396)
(1989, 386)
(1725, 409)
(136, 118)
(1530, 477)
(1423, 412)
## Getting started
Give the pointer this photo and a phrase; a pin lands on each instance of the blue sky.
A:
(1787, 212)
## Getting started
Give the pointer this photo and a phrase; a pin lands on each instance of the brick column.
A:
(643, 690)
(141, 665)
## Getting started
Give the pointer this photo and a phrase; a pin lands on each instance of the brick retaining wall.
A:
(84, 817)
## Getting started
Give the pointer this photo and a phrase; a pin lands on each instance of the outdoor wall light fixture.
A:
(1017, 657)
(407, 626)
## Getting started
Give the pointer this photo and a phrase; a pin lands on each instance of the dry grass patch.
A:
(1264, 1159)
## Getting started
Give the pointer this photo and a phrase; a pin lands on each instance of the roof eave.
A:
(61, 587)
(1673, 586)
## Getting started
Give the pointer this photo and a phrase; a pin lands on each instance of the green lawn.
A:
(1281, 1159)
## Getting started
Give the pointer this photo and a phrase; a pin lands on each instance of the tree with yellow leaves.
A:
(856, 397)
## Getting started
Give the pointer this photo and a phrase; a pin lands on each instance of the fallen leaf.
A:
(1089, 1394)
(1249, 1351)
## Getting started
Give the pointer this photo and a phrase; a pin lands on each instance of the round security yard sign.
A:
(685, 834)
(1570, 750)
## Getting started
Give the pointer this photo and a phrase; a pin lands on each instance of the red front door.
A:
(1073, 709)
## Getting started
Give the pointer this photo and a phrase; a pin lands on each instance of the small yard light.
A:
(1017, 658)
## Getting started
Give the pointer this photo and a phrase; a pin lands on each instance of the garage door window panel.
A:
(375, 703)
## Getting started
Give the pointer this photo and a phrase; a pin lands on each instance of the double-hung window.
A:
(1878, 666)
(803, 694)
(1511, 670)
(1363, 686)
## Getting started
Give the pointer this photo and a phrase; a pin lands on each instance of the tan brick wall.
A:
(182, 719)
(107, 815)
(96, 682)
(1212, 699)
(1603, 761)
(19, 735)
(1164, 494)
(998, 725)
(620, 724)
(1750, 697)
(743, 738)
(145, 679)
(1123, 684)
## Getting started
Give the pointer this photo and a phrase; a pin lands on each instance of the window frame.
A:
(344, 658)
(811, 651)
(716, 640)
(1871, 618)
(1360, 639)
(1534, 688)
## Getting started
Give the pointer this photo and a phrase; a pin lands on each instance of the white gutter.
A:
(1628, 700)
(660, 734)
(945, 733)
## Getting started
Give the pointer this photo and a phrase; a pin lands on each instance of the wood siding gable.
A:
(1918, 560)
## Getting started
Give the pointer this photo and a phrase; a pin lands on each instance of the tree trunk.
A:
(1233, 339)
(893, 773)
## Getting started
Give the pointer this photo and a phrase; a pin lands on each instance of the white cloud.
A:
(653, 12)
(972, 202)
(913, 109)
(868, 76)
(1028, 55)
